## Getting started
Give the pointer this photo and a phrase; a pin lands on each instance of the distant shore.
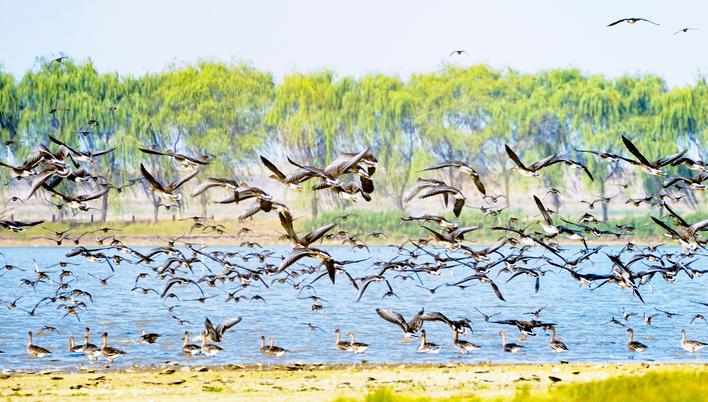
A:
(316, 382)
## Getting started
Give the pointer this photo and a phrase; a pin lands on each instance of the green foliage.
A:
(673, 386)
(235, 112)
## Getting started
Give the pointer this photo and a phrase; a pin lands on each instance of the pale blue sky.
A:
(401, 37)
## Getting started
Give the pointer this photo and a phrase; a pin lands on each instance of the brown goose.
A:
(509, 347)
(632, 345)
(357, 347)
(690, 345)
(109, 353)
(341, 345)
(34, 350)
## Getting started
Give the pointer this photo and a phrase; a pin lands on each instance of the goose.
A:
(92, 351)
(185, 161)
(357, 347)
(209, 349)
(410, 328)
(632, 345)
(690, 345)
(148, 338)
(632, 20)
(216, 334)
(188, 348)
(509, 347)
(556, 345)
(533, 169)
(427, 347)
(653, 168)
(461, 345)
(34, 350)
(342, 345)
(109, 353)
(74, 348)
(275, 351)
(463, 168)
(166, 192)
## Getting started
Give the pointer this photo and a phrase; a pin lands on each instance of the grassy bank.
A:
(266, 229)
(661, 386)
(363, 382)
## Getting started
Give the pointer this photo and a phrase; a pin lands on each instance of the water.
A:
(580, 315)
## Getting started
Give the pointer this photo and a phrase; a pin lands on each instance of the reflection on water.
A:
(580, 314)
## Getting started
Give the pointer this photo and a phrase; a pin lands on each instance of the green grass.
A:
(359, 223)
(386, 395)
(362, 222)
(674, 386)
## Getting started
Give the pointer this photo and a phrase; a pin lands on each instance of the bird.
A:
(684, 30)
(509, 347)
(208, 349)
(271, 349)
(653, 168)
(356, 347)
(457, 52)
(556, 345)
(216, 334)
(533, 169)
(167, 192)
(148, 338)
(410, 328)
(34, 350)
(341, 344)
(185, 161)
(108, 352)
(631, 20)
(690, 345)
(462, 346)
(463, 168)
(426, 347)
(188, 348)
(425, 188)
(632, 345)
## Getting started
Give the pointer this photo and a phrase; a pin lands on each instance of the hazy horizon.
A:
(399, 38)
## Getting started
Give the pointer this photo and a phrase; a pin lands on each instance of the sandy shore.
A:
(296, 383)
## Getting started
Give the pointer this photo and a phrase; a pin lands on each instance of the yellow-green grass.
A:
(266, 229)
(645, 382)
(679, 385)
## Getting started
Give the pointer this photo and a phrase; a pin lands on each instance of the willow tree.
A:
(218, 109)
(72, 102)
(307, 117)
(9, 112)
(680, 122)
(597, 107)
(378, 113)
(453, 111)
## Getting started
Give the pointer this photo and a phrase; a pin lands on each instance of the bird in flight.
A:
(685, 30)
(458, 52)
(632, 20)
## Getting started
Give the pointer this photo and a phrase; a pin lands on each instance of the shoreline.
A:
(267, 240)
(307, 382)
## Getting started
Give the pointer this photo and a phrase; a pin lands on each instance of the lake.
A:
(581, 314)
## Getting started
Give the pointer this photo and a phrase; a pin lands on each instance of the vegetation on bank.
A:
(357, 223)
(668, 386)
(236, 112)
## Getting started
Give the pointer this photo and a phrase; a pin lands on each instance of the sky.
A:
(359, 37)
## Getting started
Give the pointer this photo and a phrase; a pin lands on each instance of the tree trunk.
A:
(203, 201)
(507, 179)
(104, 208)
(60, 217)
(155, 212)
(313, 205)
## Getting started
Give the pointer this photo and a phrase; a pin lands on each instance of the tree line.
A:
(234, 112)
